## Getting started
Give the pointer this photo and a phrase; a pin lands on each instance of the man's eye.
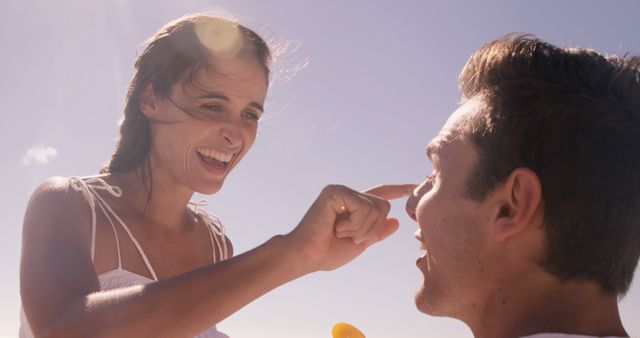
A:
(431, 178)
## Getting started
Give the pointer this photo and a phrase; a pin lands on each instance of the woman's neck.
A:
(157, 198)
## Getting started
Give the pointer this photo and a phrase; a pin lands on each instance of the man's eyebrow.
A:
(432, 148)
(214, 95)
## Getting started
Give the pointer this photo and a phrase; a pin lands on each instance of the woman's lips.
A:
(212, 165)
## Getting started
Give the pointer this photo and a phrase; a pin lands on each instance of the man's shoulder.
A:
(563, 335)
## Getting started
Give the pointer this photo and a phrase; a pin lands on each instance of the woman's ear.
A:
(148, 102)
(519, 200)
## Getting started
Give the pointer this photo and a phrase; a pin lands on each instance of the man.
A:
(530, 221)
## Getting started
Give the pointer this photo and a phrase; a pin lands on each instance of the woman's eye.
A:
(213, 107)
(251, 115)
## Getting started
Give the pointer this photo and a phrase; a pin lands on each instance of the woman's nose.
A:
(232, 133)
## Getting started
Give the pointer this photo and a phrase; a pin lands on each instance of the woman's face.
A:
(205, 126)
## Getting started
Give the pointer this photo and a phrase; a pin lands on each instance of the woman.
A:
(125, 253)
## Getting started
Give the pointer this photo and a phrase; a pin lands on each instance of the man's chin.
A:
(429, 309)
(421, 301)
(425, 303)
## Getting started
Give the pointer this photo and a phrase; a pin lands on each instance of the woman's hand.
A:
(342, 223)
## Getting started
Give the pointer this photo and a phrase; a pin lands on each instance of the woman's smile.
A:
(215, 162)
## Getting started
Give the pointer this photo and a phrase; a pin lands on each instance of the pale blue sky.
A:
(381, 80)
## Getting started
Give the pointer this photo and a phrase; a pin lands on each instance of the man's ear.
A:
(518, 201)
(148, 101)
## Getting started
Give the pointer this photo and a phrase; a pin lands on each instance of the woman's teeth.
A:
(220, 156)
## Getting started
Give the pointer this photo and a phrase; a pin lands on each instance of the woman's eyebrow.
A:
(256, 105)
(213, 95)
(219, 96)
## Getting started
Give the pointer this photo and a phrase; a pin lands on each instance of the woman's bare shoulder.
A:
(55, 263)
(62, 191)
(55, 193)
(56, 203)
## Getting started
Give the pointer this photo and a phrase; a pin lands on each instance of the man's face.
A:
(451, 229)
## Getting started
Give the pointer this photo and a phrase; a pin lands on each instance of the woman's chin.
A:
(209, 189)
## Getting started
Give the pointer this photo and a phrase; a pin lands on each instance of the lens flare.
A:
(221, 37)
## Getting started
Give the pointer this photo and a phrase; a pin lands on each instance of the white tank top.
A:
(119, 277)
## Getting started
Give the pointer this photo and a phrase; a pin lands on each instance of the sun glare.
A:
(222, 38)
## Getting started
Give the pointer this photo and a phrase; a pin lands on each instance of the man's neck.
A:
(540, 303)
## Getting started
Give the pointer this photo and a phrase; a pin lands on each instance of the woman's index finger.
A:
(391, 191)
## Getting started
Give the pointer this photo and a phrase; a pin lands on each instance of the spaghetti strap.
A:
(213, 245)
(217, 232)
(115, 234)
(89, 192)
(133, 239)
(80, 185)
(89, 187)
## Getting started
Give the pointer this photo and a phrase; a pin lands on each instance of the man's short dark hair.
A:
(573, 117)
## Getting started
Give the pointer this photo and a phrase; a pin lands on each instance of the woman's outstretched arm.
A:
(60, 288)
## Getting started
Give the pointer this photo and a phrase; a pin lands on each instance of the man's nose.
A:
(412, 203)
(414, 198)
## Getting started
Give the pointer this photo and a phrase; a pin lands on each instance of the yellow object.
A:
(344, 330)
